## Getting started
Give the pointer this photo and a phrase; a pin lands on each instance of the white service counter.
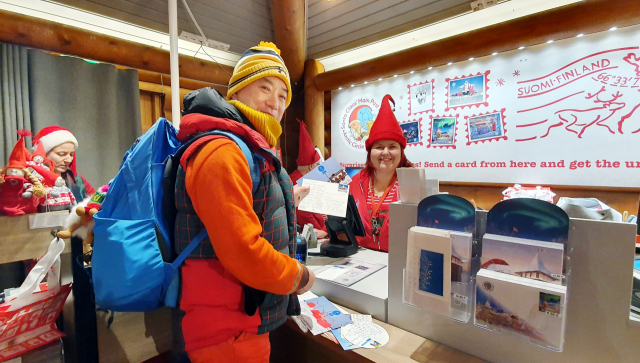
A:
(368, 296)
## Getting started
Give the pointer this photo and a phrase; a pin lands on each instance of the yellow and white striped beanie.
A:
(258, 62)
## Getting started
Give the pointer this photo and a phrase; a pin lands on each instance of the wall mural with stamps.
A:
(565, 112)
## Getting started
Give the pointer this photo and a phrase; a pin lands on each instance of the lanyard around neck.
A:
(376, 207)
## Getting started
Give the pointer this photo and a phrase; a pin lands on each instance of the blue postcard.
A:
(411, 131)
(485, 126)
(466, 91)
(329, 171)
(431, 278)
(443, 131)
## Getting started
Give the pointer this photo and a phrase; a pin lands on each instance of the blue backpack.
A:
(134, 263)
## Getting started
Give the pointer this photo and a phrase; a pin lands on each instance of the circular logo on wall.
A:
(356, 120)
(487, 286)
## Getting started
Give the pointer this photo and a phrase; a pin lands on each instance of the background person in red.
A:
(308, 159)
(376, 185)
(60, 147)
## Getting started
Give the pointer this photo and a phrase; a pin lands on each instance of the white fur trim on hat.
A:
(56, 138)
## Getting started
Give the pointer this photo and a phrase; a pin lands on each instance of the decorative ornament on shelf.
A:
(20, 190)
(80, 222)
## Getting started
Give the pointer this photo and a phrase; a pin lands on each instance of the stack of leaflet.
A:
(319, 316)
(520, 289)
(438, 272)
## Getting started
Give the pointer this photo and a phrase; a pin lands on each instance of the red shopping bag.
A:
(31, 326)
(27, 318)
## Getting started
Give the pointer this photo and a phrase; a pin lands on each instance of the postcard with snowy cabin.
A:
(523, 257)
(531, 309)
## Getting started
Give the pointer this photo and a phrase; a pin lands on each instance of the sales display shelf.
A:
(598, 328)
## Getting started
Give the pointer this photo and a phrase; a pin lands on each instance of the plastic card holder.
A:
(531, 309)
(521, 289)
(438, 274)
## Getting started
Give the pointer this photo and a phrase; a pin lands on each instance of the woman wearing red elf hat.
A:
(376, 185)
(60, 147)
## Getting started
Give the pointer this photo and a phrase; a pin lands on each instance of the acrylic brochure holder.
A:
(521, 287)
(414, 186)
(438, 276)
(600, 262)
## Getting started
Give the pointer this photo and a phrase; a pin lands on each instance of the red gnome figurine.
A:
(21, 191)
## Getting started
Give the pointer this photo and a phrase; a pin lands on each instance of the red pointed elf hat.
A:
(307, 154)
(40, 151)
(18, 157)
(49, 177)
(386, 126)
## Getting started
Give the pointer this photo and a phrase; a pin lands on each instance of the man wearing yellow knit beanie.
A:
(242, 281)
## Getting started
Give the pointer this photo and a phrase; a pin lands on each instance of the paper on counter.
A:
(320, 315)
(332, 272)
(308, 319)
(366, 335)
(354, 271)
(344, 343)
(325, 198)
(359, 318)
(306, 296)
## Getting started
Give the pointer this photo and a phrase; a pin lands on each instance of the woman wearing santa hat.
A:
(376, 186)
(60, 147)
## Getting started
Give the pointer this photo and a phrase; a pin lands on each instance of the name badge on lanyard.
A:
(376, 223)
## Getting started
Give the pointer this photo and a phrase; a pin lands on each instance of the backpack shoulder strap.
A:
(192, 246)
(254, 169)
(252, 157)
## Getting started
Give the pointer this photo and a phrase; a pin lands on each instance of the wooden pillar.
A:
(289, 26)
(314, 103)
(51, 36)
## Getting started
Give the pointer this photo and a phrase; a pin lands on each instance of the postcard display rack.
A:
(438, 275)
(559, 298)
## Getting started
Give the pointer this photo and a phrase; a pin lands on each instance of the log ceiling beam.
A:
(47, 35)
(590, 16)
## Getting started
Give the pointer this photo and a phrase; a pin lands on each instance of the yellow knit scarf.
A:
(266, 124)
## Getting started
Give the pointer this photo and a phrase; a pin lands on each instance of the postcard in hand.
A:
(329, 171)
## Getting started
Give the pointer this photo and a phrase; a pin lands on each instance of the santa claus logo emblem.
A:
(487, 286)
(357, 120)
